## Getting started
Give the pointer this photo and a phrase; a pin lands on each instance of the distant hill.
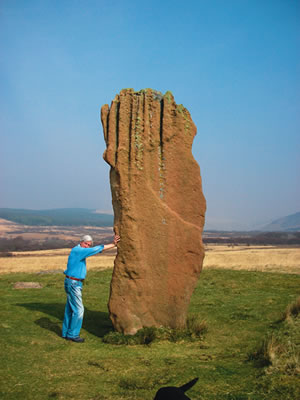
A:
(59, 216)
(291, 223)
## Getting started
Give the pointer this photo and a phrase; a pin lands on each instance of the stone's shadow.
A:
(97, 323)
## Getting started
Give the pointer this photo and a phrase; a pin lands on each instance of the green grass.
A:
(235, 313)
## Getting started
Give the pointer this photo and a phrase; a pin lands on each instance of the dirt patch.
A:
(27, 285)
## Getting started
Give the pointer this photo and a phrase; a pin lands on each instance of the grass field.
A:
(248, 353)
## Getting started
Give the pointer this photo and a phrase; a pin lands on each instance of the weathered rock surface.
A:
(159, 209)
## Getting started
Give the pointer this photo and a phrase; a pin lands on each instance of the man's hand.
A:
(112, 245)
(116, 239)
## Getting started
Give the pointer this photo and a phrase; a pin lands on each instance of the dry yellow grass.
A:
(46, 260)
(251, 258)
(254, 258)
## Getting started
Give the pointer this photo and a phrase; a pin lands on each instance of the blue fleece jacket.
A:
(76, 266)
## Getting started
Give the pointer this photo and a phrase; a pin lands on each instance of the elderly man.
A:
(75, 275)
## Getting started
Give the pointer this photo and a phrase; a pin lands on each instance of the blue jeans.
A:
(74, 309)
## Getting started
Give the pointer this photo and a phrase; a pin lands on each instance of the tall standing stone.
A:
(159, 209)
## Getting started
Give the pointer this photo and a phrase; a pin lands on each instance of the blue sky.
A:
(234, 64)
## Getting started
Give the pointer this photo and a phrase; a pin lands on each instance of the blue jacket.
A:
(76, 266)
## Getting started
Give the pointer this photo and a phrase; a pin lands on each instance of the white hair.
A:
(87, 238)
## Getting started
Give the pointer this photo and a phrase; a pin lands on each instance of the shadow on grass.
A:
(95, 322)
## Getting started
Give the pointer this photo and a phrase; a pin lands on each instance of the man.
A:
(75, 275)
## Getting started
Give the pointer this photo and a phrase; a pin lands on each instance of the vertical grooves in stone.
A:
(130, 141)
(107, 126)
(161, 151)
(117, 130)
(132, 134)
(161, 124)
(137, 138)
(144, 115)
(135, 129)
(129, 132)
(142, 131)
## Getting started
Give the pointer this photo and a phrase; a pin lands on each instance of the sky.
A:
(234, 64)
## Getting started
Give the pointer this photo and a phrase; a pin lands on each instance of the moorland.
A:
(242, 337)
(243, 342)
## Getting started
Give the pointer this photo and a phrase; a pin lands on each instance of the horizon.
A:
(233, 66)
(206, 228)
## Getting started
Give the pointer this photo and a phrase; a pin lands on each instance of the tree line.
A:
(261, 238)
(57, 217)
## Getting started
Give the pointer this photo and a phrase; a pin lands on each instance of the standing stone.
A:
(159, 209)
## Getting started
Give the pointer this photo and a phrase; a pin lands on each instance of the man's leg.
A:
(75, 305)
(68, 310)
(67, 319)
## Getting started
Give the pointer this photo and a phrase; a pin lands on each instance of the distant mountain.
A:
(291, 223)
(59, 216)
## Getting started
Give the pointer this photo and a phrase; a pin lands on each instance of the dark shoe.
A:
(76, 339)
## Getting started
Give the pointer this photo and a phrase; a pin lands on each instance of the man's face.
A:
(86, 244)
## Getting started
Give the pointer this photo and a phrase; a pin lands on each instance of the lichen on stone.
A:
(169, 96)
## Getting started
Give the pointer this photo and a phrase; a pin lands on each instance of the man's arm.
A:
(112, 245)
(85, 252)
